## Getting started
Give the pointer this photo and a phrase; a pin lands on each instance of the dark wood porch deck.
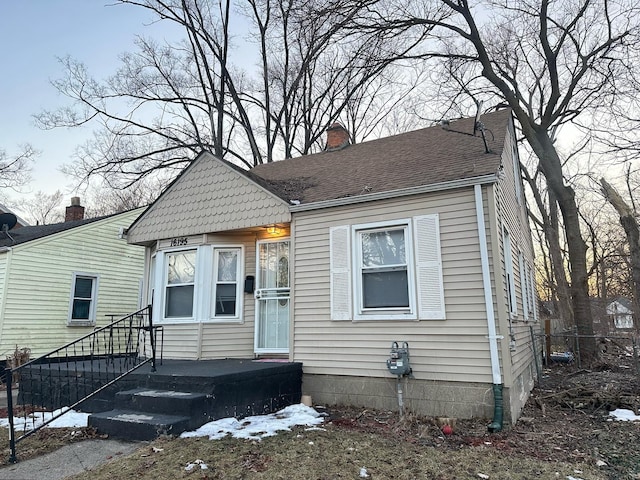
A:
(224, 388)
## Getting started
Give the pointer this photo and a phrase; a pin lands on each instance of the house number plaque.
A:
(178, 242)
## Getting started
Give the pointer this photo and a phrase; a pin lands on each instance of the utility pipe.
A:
(496, 424)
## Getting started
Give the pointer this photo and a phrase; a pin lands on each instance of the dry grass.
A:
(558, 436)
(336, 453)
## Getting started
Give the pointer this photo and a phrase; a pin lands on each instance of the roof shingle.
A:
(422, 157)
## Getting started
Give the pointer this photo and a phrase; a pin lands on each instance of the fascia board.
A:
(435, 187)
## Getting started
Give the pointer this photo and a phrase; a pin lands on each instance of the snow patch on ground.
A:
(624, 415)
(260, 426)
(70, 419)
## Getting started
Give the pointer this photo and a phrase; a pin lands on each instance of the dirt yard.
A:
(565, 420)
(565, 432)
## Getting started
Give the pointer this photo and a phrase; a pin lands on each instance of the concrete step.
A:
(135, 425)
(162, 401)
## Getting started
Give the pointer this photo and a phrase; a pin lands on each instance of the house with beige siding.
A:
(60, 281)
(331, 259)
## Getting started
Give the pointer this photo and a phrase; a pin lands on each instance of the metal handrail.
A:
(110, 352)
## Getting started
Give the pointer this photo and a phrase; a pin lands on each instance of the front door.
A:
(272, 297)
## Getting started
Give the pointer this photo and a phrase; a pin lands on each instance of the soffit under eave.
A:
(182, 229)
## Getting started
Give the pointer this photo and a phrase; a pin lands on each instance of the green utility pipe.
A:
(496, 424)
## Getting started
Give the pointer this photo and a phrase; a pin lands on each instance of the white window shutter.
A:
(524, 287)
(430, 285)
(532, 294)
(340, 272)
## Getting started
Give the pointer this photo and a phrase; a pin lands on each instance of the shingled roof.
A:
(429, 156)
(34, 232)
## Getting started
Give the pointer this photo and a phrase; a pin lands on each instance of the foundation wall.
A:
(422, 397)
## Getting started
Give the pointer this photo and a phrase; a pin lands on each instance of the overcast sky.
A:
(33, 33)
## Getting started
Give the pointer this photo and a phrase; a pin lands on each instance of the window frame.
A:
(165, 285)
(237, 317)
(91, 320)
(383, 313)
(507, 253)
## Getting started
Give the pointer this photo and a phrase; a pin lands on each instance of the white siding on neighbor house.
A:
(39, 283)
(209, 196)
(455, 349)
(4, 262)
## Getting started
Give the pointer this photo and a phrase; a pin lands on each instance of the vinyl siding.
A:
(40, 276)
(209, 196)
(234, 340)
(180, 341)
(4, 263)
(512, 215)
(455, 349)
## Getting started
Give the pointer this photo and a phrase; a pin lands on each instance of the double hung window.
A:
(227, 291)
(383, 282)
(84, 291)
(387, 270)
(180, 274)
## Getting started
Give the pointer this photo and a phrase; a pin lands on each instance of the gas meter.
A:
(398, 361)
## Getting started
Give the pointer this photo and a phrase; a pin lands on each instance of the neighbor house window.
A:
(227, 292)
(180, 274)
(84, 291)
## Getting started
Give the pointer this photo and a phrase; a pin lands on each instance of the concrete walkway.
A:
(69, 460)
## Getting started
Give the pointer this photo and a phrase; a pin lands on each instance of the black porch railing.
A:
(57, 382)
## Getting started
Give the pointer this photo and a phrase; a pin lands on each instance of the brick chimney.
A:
(337, 137)
(75, 211)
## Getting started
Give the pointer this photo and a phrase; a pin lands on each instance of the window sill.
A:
(223, 320)
(411, 317)
(80, 323)
(206, 321)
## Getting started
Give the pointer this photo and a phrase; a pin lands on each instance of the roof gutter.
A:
(435, 187)
(5, 249)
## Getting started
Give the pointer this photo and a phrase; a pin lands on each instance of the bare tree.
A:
(106, 200)
(550, 62)
(187, 97)
(630, 225)
(44, 208)
(15, 168)
(549, 224)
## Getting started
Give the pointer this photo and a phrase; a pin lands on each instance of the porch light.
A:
(273, 230)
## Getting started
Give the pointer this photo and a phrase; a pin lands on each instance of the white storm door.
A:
(272, 297)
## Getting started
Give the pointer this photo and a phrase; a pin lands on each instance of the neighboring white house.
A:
(621, 312)
(19, 221)
(59, 281)
(328, 259)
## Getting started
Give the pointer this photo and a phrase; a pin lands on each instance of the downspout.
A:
(496, 424)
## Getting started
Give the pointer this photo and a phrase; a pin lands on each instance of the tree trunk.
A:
(563, 295)
(552, 168)
(630, 225)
